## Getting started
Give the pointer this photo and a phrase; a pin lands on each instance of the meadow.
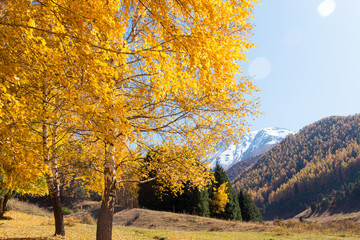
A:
(26, 221)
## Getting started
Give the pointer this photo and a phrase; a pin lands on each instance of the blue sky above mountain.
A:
(306, 62)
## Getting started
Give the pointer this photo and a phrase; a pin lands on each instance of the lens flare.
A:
(260, 68)
(326, 8)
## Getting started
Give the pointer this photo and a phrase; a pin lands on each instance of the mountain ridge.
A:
(251, 145)
(318, 166)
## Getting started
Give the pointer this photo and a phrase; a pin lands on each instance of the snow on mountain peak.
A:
(253, 144)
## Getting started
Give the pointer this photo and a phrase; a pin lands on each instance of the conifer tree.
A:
(192, 200)
(249, 211)
(232, 209)
(202, 207)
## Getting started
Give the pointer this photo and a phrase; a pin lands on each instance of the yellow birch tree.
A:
(20, 170)
(134, 76)
(36, 65)
(220, 199)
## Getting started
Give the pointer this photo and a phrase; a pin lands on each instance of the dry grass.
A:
(26, 226)
(347, 227)
(16, 205)
(88, 219)
(143, 218)
(327, 216)
(143, 224)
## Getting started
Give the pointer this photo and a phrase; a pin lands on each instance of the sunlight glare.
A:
(326, 8)
(260, 68)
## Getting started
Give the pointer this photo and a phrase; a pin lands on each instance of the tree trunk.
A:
(1, 208)
(105, 220)
(53, 183)
(3, 203)
(56, 204)
(55, 197)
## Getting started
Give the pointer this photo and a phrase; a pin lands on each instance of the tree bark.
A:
(56, 204)
(1, 208)
(3, 203)
(105, 220)
(53, 183)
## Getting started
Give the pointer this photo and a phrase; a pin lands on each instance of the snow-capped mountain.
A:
(251, 145)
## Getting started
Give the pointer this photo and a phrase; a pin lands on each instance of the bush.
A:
(290, 224)
(71, 221)
(66, 210)
(88, 219)
(279, 222)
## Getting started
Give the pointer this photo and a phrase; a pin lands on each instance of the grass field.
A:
(29, 222)
(28, 226)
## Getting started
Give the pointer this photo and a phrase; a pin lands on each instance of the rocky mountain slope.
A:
(254, 144)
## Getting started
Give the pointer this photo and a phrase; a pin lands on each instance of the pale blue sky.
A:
(307, 61)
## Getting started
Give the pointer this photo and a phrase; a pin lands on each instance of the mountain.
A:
(251, 145)
(240, 167)
(317, 167)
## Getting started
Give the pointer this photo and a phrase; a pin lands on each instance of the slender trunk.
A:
(3, 203)
(1, 208)
(53, 184)
(59, 219)
(56, 204)
(6, 199)
(105, 220)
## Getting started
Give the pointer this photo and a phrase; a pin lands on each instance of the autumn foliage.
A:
(316, 167)
(117, 78)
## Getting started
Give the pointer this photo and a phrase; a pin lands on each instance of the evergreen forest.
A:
(218, 200)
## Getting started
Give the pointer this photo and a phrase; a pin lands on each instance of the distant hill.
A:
(317, 167)
(251, 145)
(240, 167)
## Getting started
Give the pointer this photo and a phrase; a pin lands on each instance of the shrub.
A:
(88, 219)
(279, 222)
(66, 210)
(71, 221)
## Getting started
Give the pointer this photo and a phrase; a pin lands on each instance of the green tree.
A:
(249, 211)
(191, 200)
(232, 209)
(313, 207)
(202, 207)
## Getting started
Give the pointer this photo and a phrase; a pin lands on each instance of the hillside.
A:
(319, 166)
(240, 167)
(26, 221)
